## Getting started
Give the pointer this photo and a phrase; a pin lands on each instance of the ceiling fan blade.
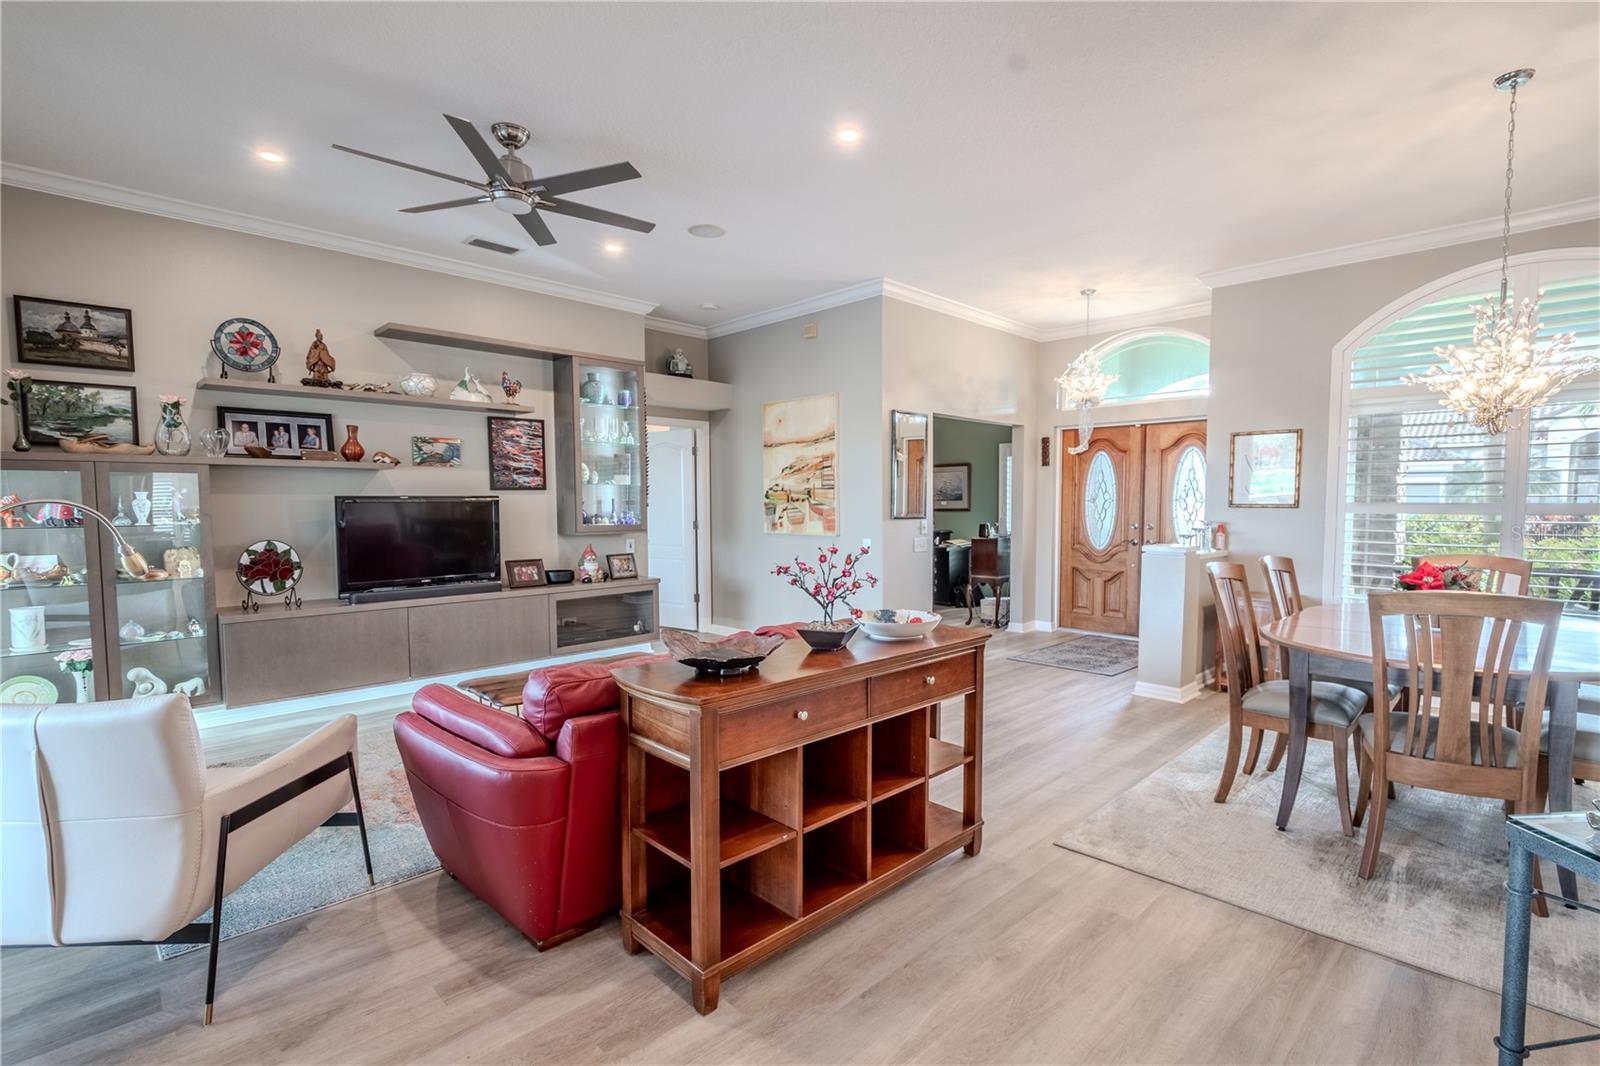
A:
(412, 166)
(479, 148)
(537, 229)
(578, 180)
(445, 206)
(594, 214)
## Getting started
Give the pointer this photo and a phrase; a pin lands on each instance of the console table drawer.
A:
(921, 685)
(790, 721)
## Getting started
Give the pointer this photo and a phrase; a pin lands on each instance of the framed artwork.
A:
(82, 335)
(952, 487)
(1264, 468)
(516, 453)
(435, 451)
(65, 410)
(621, 566)
(799, 466)
(525, 573)
(284, 433)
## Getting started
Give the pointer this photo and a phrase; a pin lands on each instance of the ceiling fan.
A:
(510, 186)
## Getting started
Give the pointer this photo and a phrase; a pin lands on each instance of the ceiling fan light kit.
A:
(509, 184)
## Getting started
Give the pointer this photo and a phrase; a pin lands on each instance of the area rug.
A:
(326, 868)
(1105, 656)
(1436, 901)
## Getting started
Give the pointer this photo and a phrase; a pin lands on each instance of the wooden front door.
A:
(1116, 496)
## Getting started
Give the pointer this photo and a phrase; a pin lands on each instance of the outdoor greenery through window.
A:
(1420, 479)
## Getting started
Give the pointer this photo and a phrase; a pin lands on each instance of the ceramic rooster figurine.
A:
(509, 387)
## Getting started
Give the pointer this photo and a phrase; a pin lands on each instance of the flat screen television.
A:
(399, 546)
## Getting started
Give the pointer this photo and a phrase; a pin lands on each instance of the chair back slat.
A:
(1282, 585)
(1236, 627)
(1503, 575)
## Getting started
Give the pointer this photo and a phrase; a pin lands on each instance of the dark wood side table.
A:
(991, 565)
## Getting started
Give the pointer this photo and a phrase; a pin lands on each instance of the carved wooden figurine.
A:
(319, 361)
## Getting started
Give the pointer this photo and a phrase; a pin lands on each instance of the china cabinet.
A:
(144, 635)
(599, 445)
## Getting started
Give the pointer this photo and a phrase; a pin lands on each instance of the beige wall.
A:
(658, 346)
(181, 279)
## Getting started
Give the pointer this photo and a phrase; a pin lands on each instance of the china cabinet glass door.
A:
(610, 445)
(50, 606)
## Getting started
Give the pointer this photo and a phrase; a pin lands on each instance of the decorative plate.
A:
(244, 344)
(269, 568)
(29, 689)
(899, 625)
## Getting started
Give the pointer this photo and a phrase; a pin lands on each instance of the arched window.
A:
(1413, 478)
(1156, 364)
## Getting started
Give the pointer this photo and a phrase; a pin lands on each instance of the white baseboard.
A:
(1168, 693)
(1037, 625)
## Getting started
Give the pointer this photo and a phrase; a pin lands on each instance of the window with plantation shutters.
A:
(1416, 479)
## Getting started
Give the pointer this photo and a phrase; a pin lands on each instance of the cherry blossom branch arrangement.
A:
(830, 582)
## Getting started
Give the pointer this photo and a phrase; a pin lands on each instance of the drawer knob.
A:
(802, 715)
(929, 679)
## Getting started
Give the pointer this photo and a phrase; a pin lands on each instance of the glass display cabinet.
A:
(142, 635)
(600, 445)
(625, 614)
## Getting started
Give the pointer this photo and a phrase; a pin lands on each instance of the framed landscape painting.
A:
(66, 410)
(1264, 468)
(952, 487)
(64, 333)
(516, 454)
(799, 466)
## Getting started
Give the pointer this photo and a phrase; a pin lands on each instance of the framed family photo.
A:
(285, 434)
(525, 573)
(67, 410)
(73, 334)
(622, 566)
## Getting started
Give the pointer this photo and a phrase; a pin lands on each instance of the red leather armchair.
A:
(523, 810)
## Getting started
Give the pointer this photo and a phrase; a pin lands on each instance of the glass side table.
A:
(1568, 840)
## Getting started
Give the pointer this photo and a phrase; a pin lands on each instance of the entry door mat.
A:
(1105, 656)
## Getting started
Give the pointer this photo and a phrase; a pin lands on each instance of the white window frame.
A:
(1524, 271)
(1007, 487)
(1117, 340)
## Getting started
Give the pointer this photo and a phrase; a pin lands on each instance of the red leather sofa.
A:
(523, 810)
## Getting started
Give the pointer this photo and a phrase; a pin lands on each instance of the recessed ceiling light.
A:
(267, 155)
(613, 247)
(706, 229)
(710, 307)
(847, 135)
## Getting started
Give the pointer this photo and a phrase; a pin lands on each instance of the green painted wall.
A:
(956, 440)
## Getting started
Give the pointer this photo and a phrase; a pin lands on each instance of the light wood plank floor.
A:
(1027, 953)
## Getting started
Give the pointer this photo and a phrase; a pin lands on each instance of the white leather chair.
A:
(114, 831)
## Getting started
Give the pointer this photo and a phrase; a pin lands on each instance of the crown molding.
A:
(1133, 321)
(24, 177)
(956, 309)
(1421, 241)
(866, 290)
(668, 325)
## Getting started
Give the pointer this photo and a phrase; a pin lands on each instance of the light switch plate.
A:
(627, 545)
(919, 544)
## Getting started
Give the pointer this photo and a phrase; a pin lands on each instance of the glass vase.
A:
(172, 438)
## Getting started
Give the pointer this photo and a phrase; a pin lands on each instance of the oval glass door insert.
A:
(1189, 492)
(1100, 501)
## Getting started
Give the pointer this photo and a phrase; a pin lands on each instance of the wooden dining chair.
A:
(1503, 574)
(1263, 706)
(1437, 742)
(1282, 585)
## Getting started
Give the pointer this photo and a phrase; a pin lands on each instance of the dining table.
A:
(1333, 642)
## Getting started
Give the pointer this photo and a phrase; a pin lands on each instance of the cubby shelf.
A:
(746, 919)
(744, 832)
(893, 783)
(824, 885)
(887, 856)
(823, 806)
(943, 823)
(943, 756)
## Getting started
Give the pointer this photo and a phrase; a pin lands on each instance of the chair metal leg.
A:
(216, 917)
(361, 818)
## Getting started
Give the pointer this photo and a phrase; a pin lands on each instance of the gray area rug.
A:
(326, 868)
(1436, 901)
(1105, 656)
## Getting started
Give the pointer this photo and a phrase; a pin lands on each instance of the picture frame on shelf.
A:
(78, 335)
(66, 410)
(621, 566)
(1264, 468)
(284, 434)
(516, 454)
(435, 451)
(525, 573)
(952, 487)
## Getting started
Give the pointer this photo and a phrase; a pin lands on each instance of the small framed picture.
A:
(67, 333)
(66, 410)
(435, 451)
(1264, 468)
(525, 573)
(622, 566)
(285, 434)
(952, 487)
(516, 453)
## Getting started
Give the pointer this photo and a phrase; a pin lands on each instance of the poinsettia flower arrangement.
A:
(832, 580)
(1430, 576)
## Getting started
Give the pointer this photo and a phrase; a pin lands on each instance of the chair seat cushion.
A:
(1585, 745)
(1331, 704)
(1511, 740)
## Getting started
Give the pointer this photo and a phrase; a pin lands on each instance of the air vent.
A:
(492, 246)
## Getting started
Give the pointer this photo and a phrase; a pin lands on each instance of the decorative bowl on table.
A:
(899, 625)
(720, 658)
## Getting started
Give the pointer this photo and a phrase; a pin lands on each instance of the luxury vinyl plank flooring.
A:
(1026, 954)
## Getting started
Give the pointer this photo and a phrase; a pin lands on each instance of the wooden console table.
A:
(759, 808)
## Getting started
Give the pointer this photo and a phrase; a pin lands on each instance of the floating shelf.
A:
(395, 399)
(471, 342)
(198, 458)
(687, 394)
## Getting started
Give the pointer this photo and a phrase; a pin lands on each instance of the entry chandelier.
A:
(1083, 384)
(1505, 373)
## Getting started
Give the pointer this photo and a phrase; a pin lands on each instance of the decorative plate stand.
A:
(269, 568)
(247, 346)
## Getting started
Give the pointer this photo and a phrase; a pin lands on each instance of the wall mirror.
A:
(908, 462)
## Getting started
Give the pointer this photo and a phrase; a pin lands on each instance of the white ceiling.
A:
(1012, 154)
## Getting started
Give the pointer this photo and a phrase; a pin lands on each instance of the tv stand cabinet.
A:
(326, 646)
(758, 809)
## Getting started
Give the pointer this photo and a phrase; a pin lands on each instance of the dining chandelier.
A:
(1505, 372)
(1083, 384)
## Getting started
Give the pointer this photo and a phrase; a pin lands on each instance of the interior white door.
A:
(671, 510)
